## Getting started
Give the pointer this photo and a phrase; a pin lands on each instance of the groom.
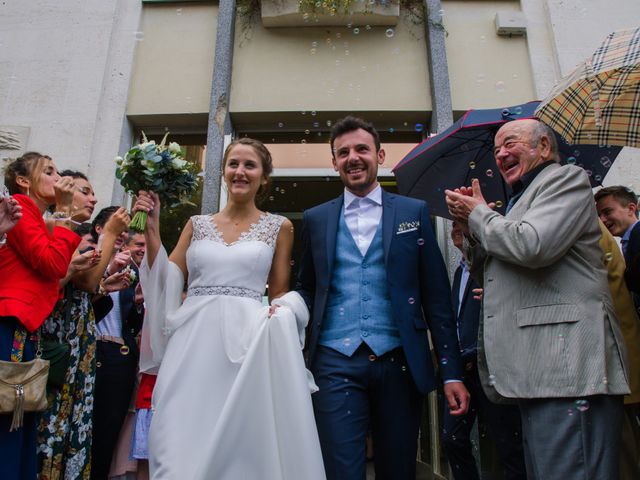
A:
(371, 274)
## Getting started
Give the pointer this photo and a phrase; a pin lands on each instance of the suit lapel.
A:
(524, 202)
(125, 299)
(465, 297)
(388, 221)
(455, 290)
(333, 217)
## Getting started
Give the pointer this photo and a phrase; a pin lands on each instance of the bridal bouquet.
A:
(157, 168)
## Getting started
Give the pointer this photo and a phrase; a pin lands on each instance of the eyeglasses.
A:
(508, 145)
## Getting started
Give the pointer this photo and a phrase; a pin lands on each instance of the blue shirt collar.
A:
(627, 234)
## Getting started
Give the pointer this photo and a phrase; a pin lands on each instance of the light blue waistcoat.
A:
(358, 306)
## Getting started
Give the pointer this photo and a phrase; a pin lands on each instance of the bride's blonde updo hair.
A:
(265, 160)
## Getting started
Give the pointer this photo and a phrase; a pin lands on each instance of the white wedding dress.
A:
(232, 399)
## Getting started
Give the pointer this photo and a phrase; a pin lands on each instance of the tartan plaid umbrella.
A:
(465, 151)
(599, 102)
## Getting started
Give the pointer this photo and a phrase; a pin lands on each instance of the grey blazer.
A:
(548, 328)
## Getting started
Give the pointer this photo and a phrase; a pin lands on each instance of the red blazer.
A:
(31, 264)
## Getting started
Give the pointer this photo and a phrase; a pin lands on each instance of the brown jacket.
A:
(625, 310)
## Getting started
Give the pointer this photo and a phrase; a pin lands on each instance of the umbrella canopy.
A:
(599, 102)
(465, 151)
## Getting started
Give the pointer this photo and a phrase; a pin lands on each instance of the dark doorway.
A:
(291, 196)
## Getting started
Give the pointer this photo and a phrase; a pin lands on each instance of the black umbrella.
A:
(465, 151)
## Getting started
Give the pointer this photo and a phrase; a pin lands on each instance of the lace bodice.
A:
(240, 268)
(264, 230)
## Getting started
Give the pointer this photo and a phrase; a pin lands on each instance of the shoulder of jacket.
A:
(408, 201)
(563, 175)
(25, 201)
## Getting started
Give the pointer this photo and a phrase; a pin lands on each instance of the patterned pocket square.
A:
(406, 227)
(400, 232)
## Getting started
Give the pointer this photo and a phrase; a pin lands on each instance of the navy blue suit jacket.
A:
(468, 317)
(632, 261)
(131, 318)
(416, 276)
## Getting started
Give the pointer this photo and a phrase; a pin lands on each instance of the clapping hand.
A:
(463, 200)
(10, 213)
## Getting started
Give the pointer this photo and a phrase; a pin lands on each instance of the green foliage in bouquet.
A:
(160, 169)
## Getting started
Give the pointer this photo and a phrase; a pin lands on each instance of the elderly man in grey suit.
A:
(549, 338)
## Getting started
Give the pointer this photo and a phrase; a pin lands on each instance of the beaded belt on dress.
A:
(229, 291)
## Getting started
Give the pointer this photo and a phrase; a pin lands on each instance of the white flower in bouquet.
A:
(179, 163)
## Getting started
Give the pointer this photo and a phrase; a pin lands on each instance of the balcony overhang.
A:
(287, 13)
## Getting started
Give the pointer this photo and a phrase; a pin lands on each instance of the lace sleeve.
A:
(267, 230)
(202, 227)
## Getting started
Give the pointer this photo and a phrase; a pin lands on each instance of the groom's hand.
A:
(457, 397)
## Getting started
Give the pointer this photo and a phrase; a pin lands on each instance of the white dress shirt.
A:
(464, 278)
(362, 216)
(111, 324)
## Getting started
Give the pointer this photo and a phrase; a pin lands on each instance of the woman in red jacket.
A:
(32, 262)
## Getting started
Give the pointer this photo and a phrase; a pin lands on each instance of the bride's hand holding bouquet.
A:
(149, 204)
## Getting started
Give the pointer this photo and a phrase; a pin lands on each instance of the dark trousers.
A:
(115, 379)
(572, 438)
(630, 443)
(503, 423)
(18, 459)
(365, 392)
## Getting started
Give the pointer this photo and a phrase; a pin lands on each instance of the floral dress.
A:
(64, 429)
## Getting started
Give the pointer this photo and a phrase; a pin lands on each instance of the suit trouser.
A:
(503, 422)
(630, 446)
(365, 392)
(572, 438)
(115, 379)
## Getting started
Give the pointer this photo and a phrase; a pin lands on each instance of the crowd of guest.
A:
(70, 295)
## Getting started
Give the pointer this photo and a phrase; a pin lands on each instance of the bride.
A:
(232, 400)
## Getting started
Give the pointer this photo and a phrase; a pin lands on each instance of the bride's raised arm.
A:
(281, 266)
(150, 202)
(162, 279)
